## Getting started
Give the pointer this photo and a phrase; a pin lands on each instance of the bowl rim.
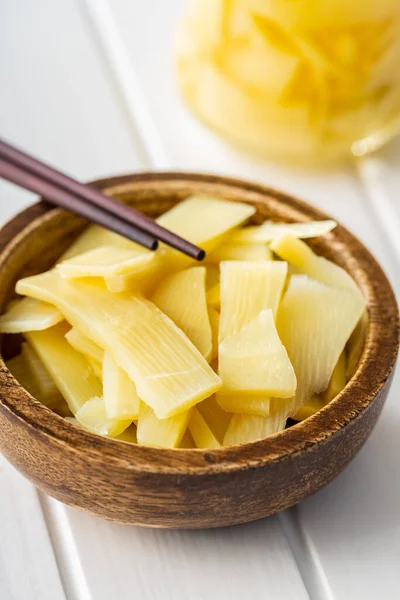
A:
(375, 367)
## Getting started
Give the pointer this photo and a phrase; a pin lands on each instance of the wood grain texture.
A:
(183, 488)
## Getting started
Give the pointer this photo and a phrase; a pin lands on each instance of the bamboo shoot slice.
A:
(143, 280)
(233, 251)
(137, 333)
(337, 380)
(248, 428)
(213, 315)
(22, 373)
(356, 344)
(83, 344)
(244, 404)
(47, 390)
(216, 418)
(187, 441)
(119, 392)
(269, 231)
(182, 297)
(313, 405)
(255, 361)
(93, 237)
(71, 372)
(203, 220)
(309, 312)
(297, 253)
(201, 433)
(106, 261)
(29, 314)
(165, 433)
(129, 435)
(247, 288)
(93, 416)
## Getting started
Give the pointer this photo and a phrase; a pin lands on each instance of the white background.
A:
(87, 85)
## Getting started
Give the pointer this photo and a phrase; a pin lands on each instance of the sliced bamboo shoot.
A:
(297, 253)
(129, 435)
(311, 312)
(248, 428)
(269, 231)
(247, 288)
(22, 373)
(255, 360)
(169, 372)
(106, 261)
(119, 392)
(203, 220)
(244, 404)
(313, 405)
(93, 237)
(201, 433)
(69, 369)
(337, 380)
(213, 315)
(182, 297)
(356, 345)
(216, 418)
(165, 433)
(29, 314)
(83, 344)
(48, 392)
(240, 252)
(93, 416)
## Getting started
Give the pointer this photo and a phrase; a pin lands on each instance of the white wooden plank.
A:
(363, 504)
(28, 568)
(172, 565)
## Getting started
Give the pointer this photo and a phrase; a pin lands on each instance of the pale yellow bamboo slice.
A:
(248, 428)
(95, 236)
(355, 345)
(269, 231)
(233, 251)
(254, 360)
(83, 344)
(169, 372)
(22, 373)
(93, 416)
(213, 315)
(29, 314)
(244, 404)
(69, 369)
(313, 405)
(119, 392)
(165, 433)
(314, 323)
(182, 297)
(143, 280)
(201, 433)
(299, 254)
(106, 261)
(203, 220)
(187, 441)
(216, 418)
(129, 435)
(48, 392)
(247, 288)
(337, 380)
(214, 296)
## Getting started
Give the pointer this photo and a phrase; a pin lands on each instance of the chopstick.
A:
(61, 190)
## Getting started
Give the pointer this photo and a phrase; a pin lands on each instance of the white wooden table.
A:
(88, 86)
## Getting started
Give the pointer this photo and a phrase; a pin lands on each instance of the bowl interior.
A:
(34, 240)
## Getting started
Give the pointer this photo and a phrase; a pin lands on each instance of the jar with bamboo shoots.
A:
(295, 79)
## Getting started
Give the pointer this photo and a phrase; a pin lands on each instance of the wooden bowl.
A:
(191, 488)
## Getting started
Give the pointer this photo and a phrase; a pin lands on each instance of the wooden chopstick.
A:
(77, 197)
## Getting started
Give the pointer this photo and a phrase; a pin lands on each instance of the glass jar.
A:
(296, 79)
